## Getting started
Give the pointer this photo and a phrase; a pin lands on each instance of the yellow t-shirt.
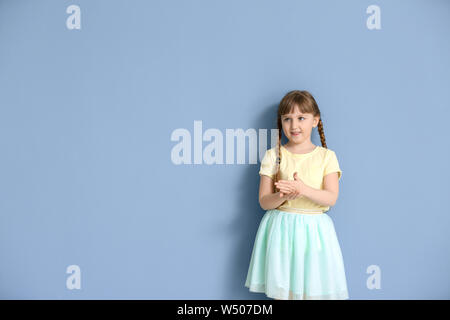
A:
(310, 167)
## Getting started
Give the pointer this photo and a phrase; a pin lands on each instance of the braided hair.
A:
(307, 104)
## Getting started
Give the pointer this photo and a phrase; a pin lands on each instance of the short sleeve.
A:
(332, 164)
(268, 164)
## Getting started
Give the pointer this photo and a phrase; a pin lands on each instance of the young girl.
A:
(296, 254)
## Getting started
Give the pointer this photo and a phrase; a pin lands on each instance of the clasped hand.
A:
(290, 189)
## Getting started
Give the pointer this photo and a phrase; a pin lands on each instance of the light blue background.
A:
(86, 118)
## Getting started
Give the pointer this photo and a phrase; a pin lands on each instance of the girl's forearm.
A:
(322, 197)
(271, 201)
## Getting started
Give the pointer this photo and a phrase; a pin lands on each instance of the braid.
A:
(278, 158)
(321, 133)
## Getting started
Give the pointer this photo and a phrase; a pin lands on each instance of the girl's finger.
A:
(288, 189)
(284, 186)
(283, 190)
(288, 195)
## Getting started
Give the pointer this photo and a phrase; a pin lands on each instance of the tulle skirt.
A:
(296, 256)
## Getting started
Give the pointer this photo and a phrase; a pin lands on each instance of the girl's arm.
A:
(326, 197)
(268, 199)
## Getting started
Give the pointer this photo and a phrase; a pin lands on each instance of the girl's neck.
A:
(304, 147)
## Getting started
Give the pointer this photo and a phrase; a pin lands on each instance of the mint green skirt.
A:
(296, 256)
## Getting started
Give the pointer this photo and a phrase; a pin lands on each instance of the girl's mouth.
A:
(295, 133)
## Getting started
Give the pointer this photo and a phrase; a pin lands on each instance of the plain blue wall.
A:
(86, 118)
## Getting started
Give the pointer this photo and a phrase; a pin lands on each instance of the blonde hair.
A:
(307, 104)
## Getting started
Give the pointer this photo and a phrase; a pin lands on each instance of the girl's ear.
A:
(316, 121)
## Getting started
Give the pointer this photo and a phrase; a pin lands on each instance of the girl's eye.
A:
(290, 118)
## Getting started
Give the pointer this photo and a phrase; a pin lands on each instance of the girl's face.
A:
(297, 126)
